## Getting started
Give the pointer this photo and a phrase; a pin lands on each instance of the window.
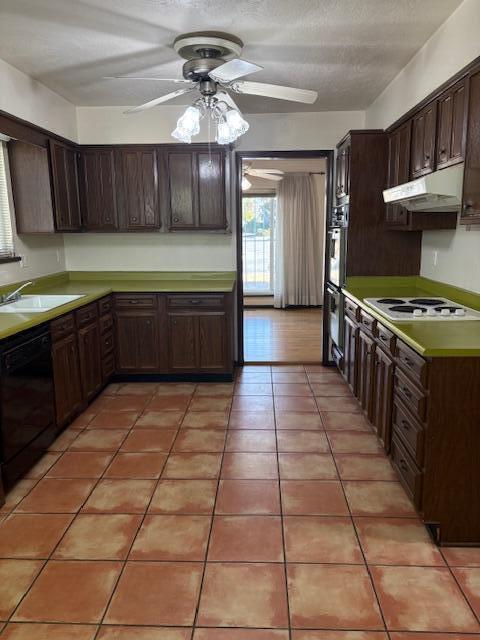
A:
(258, 229)
(6, 236)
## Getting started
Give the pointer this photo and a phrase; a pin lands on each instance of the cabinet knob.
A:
(403, 465)
(467, 206)
(176, 219)
(405, 425)
(107, 219)
(134, 219)
(134, 301)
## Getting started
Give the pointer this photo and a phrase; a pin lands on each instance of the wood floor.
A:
(282, 335)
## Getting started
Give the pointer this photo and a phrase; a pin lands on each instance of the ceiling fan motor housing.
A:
(204, 51)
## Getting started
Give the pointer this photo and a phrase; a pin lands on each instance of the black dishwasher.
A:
(27, 408)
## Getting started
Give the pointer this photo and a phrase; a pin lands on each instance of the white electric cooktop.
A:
(426, 308)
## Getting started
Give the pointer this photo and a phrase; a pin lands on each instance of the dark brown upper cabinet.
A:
(342, 172)
(194, 184)
(398, 170)
(97, 189)
(422, 160)
(471, 184)
(63, 160)
(31, 187)
(451, 125)
(137, 189)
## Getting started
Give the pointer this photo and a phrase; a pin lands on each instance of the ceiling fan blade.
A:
(233, 69)
(165, 98)
(176, 80)
(274, 91)
(271, 171)
(256, 173)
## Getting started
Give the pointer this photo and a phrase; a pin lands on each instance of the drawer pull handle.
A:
(407, 392)
(134, 301)
(405, 425)
(195, 301)
(408, 362)
(403, 465)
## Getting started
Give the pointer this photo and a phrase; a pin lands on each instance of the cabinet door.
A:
(423, 141)
(471, 184)
(211, 190)
(398, 171)
(65, 186)
(137, 341)
(212, 342)
(451, 126)
(138, 189)
(182, 342)
(383, 397)
(182, 195)
(350, 353)
(90, 360)
(66, 376)
(366, 351)
(97, 190)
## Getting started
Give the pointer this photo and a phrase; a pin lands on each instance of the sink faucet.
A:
(14, 295)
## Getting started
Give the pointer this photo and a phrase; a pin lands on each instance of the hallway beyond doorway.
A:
(283, 335)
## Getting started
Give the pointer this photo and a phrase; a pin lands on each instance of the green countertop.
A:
(96, 284)
(436, 339)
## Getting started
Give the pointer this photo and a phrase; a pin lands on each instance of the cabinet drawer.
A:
(106, 323)
(412, 397)
(142, 300)
(105, 305)
(367, 321)
(62, 327)
(106, 344)
(386, 338)
(352, 309)
(85, 315)
(411, 363)
(409, 431)
(190, 302)
(410, 476)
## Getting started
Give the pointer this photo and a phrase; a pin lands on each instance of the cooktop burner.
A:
(406, 308)
(425, 301)
(423, 309)
(391, 301)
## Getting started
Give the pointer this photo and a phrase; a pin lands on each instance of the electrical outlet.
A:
(58, 255)
(435, 258)
(24, 262)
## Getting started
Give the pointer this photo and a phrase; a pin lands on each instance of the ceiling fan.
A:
(214, 69)
(265, 174)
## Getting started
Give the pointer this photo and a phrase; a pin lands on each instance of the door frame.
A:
(240, 156)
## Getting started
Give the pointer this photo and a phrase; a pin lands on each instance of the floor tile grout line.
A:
(142, 520)
(212, 520)
(462, 591)
(285, 567)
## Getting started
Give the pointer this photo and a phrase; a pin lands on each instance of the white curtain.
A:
(299, 245)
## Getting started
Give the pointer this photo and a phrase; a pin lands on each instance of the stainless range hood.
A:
(435, 192)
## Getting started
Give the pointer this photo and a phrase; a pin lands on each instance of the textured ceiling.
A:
(347, 50)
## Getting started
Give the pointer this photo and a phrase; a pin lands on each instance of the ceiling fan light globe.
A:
(180, 135)
(189, 122)
(246, 184)
(236, 122)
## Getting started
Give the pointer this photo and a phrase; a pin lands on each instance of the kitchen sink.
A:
(37, 304)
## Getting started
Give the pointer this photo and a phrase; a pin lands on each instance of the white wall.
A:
(184, 252)
(27, 99)
(452, 47)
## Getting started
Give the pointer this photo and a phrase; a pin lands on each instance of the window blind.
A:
(6, 236)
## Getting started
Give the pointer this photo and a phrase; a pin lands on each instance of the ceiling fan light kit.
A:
(213, 68)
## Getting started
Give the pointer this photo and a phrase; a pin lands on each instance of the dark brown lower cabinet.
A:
(426, 411)
(382, 396)
(366, 355)
(66, 375)
(350, 352)
(137, 341)
(90, 360)
(198, 342)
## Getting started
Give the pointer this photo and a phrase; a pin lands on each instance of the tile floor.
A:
(263, 510)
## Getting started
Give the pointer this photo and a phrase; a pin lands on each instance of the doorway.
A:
(276, 323)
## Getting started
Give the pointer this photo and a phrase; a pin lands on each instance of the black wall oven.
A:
(27, 406)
